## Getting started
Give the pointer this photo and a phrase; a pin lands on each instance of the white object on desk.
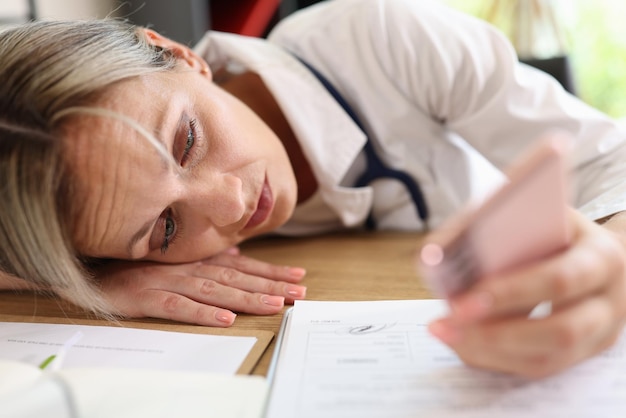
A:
(377, 360)
(103, 346)
(124, 373)
(127, 393)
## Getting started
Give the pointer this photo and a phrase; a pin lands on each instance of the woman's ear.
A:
(180, 51)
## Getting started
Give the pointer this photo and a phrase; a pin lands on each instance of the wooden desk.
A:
(356, 266)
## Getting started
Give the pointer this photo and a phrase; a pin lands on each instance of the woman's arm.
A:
(438, 71)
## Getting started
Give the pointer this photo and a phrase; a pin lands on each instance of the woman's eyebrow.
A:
(138, 236)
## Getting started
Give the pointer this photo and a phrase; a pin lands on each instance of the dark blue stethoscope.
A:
(376, 169)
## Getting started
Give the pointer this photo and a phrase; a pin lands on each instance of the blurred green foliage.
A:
(596, 32)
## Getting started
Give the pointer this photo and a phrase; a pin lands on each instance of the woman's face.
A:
(235, 179)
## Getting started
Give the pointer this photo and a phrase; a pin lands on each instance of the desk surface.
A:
(356, 266)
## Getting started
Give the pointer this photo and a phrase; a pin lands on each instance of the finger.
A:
(534, 348)
(234, 278)
(586, 268)
(527, 367)
(258, 268)
(172, 306)
(531, 366)
(233, 250)
(213, 293)
(564, 331)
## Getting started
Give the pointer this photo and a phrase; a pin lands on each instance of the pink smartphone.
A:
(523, 221)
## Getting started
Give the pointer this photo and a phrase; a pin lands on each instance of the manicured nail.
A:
(273, 300)
(473, 306)
(226, 317)
(445, 331)
(297, 292)
(296, 272)
(233, 251)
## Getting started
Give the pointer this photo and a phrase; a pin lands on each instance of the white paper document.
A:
(114, 347)
(27, 391)
(377, 359)
(124, 373)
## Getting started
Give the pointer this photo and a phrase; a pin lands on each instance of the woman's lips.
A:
(263, 207)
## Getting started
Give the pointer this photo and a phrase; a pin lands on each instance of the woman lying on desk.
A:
(134, 160)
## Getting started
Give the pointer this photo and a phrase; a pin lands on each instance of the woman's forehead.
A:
(140, 105)
(113, 169)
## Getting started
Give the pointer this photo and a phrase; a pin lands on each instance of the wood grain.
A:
(348, 266)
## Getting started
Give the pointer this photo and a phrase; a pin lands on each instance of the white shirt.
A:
(442, 97)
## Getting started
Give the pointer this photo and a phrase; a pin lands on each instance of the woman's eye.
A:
(168, 231)
(191, 140)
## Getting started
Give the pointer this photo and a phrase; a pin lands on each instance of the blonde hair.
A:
(49, 71)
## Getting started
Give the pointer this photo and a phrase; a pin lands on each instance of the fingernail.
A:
(233, 251)
(445, 331)
(226, 317)
(294, 291)
(474, 306)
(273, 300)
(296, 272)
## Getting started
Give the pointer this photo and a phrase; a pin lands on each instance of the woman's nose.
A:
(221, 200)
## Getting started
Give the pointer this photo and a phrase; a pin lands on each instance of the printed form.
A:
(115, 347)
(377, 359)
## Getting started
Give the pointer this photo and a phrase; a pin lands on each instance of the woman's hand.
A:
(489, 326)
(202, 292)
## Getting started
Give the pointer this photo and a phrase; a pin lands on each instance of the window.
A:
(15, 11)
(596, 43)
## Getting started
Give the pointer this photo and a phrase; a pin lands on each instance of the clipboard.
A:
(279, 347)
(263, 338)
(280, 340)
(409, 373)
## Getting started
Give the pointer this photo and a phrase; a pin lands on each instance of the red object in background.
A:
(245, 17)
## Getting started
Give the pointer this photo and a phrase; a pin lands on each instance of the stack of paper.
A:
(67, 371)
